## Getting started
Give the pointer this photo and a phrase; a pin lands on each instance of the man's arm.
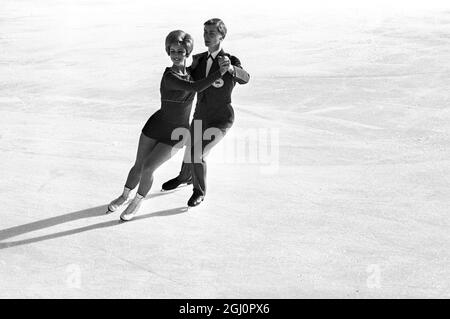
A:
(240, 75)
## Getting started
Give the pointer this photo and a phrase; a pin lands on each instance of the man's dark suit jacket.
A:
(214, 103)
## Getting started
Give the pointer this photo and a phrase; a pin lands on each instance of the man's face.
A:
(211, 36)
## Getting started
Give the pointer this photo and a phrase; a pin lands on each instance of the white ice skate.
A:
(117, 203)
(131, 210)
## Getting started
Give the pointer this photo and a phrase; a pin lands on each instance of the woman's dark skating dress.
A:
(177, 95)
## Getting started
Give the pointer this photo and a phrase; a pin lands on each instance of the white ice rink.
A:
(343, 190)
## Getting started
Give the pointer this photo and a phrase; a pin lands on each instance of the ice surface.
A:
(350, 201)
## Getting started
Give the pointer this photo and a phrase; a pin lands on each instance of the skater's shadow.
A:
(162, 193)
(87, 213)
(53, 221)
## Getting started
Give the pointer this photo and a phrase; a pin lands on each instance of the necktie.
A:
(209, 62)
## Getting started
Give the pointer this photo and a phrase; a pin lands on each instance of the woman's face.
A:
(177, 54)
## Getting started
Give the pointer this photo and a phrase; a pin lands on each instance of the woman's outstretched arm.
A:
(175, 82)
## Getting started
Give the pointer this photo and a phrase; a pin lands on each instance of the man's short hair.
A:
(182, 38)
(221, 27)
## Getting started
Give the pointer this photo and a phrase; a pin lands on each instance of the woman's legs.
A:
(159, 154)
(145, 146)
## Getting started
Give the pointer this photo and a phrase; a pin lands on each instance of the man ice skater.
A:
(213, 112)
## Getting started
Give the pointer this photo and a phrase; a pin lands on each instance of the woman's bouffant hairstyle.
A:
(221, 27)
(182, 38)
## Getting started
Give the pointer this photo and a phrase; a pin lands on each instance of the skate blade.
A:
(125, 220)
(172, 190)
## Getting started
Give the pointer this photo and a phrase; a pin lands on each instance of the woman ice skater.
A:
(155, 143)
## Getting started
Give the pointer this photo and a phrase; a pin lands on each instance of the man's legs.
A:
(200, 149)
(185, 172)
(184, 177)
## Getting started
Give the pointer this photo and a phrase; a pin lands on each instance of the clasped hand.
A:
(225, 64)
